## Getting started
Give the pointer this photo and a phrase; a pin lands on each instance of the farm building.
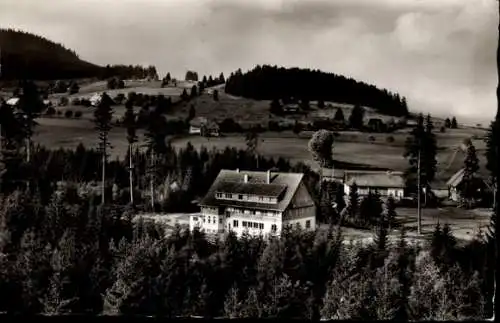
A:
(255, 202)
(455, 186)
(291, 108)
(204, 127)
(13, 102)
(386, 183)
(95, 99)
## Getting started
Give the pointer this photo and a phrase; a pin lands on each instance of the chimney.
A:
(245, 178)
(268, 177)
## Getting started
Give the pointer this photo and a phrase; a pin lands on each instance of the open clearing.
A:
(350, 147)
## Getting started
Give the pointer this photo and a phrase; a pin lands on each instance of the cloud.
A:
(439, 54)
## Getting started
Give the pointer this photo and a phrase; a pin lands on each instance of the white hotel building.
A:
(257, 202)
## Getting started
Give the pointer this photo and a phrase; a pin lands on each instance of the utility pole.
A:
(419, 210)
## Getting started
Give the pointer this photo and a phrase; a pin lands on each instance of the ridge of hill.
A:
(26, 55)
(272, 83)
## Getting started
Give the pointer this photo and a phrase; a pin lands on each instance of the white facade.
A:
(396, 192)
(250, 210)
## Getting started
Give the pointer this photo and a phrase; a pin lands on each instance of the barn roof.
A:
(232, 181)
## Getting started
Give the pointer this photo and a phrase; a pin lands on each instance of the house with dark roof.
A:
(255, 202)
(385, 183)
(204, 127)
(455, 185)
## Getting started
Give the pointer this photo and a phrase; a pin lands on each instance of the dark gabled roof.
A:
(284, 184)
(270, 190)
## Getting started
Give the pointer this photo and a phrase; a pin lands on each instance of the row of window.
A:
(253, 212)
(243, 197)
(252, 225)
(208, 219)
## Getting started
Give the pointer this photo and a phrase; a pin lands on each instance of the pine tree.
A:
(421, 143)
(30, 106)
(353, 201)
(371, 208)
(131, 124)
(454, 124)
(357, 116)
(391, 212)
(184, 95)
(103, 115)
(339, 116)
(192, 112)
(428, 155)
(155, 139)
(471, 166)
(194, 91)
(447, 123)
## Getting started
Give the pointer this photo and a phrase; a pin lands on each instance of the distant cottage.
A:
(455, 185)
(255, 202)
(385, 183)
(204, 127)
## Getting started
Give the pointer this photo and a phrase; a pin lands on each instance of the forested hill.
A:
(25, 55)
(272, 82)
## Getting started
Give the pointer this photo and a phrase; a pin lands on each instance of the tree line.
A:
(274, 83)
(72, 256)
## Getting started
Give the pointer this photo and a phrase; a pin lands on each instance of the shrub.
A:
(50, 111)
(76, 101)
(371, 139)
(68, 113)
(442, 129)
(63, 101)
(78, 114)
(390, 139)
(59, 113)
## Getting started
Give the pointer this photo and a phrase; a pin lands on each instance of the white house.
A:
(204, 127)
(256, 202)
(386, 183)
(12, 102)
(95, 99)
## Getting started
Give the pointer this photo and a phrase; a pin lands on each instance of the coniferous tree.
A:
(194, 91)
(422, 142)
(192, 112)
(30, 107)
(353, 206)
(252, 142)
(103, 115)
(339, 116)
(216, 95)
(469, 181)
(428, 155)
(356, 118)
(321, 104)
(184, 95)
(447, 123)
(370, 208)
(155, 138)
(222, 79)
(391, 212)
(131, 124)
(454, 124)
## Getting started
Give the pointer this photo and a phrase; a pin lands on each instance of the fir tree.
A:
(131, 124)
(103, 115)
(339, 116)
(357, 116)
(469, 182)
(353, 206)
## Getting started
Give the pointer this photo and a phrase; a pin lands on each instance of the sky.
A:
(439, 54)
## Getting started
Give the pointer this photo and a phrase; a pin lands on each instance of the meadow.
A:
(359, 148)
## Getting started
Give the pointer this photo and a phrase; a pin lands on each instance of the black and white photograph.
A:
(249, 159)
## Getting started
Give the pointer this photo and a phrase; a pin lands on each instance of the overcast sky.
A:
(440, 54)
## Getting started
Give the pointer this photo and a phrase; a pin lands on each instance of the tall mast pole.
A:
(419, 210)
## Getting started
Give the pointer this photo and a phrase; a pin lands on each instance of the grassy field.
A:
(350, 147)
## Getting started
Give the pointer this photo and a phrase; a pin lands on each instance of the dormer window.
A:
(218, 195)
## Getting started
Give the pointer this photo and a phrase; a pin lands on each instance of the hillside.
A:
(271, 82)
(25, 55)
